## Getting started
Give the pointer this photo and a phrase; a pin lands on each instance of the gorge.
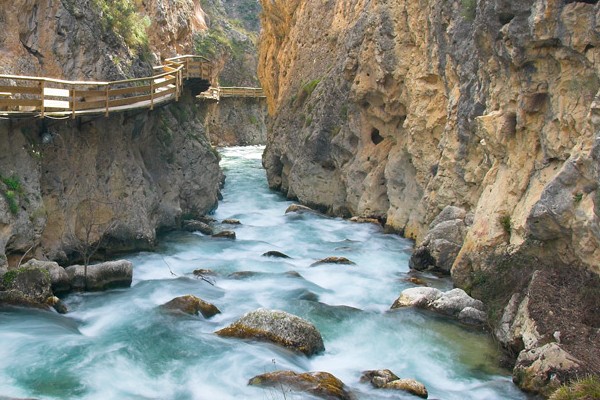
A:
(469, 127)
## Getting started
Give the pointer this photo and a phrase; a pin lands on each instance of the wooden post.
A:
(151, 93)
(187, 68)
(177, 86)
(72, 103)
(106, 94)
(42, 86)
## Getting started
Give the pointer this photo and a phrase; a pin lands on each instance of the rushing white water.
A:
(117, 345)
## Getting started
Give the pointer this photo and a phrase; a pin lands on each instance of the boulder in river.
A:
(319, 384)
(277, 327)
(365, 220)
(198, 226)
(275, 254)
(231, 221)
(32, 282)
(386, 379)
(409, 385)
(204, 272)
(191, 305)
(225, 235)
(456, 303)
(299, 208)
(103, 276)
(333, 260)
(59, 278)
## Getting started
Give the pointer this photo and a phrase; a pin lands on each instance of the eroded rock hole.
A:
(376, 137)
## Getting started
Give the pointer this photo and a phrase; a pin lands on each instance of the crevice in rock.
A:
(376, 137)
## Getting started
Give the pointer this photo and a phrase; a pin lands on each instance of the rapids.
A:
(117, 345)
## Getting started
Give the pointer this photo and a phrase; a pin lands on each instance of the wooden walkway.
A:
(24, 96)
(217, 93)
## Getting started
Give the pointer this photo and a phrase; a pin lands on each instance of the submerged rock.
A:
(275, 254)
(378, 378)
(277, 327)
(191, 305)
(333, 260)
(103, 276)
(59, 278)
(386, 379)
(198, 226)
(231, 221)
(365, 220)
(456, 303)
(225, 235)
(408, 385)
(57, 304)
(203, 272)
(320, 384)
(299, 208)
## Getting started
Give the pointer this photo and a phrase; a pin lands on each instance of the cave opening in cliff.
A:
(376, 137)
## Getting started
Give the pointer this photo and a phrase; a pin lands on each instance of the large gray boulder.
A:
(32, 282)
(319, 384)
(455, 303)
(277, 327)
(103, 276)
(59, 278)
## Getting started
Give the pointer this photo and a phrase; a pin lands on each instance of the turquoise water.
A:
(117, 345)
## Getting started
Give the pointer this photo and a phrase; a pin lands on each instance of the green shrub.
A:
(506, 223)
(122, 18)
(581, 389)
(11, 193)
(469, 9)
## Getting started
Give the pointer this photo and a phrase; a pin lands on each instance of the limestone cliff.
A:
(68, 185)
(401, 109)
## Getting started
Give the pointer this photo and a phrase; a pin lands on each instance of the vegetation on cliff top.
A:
(122, 18)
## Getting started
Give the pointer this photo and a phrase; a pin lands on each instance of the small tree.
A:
(94, 221)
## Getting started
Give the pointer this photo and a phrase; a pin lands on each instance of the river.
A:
(118, 345)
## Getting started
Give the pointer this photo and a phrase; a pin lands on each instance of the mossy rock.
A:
(278, 327)
(191, 305)
(320, 384)
(33, 282)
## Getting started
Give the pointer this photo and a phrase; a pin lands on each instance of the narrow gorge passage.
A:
(118, 345)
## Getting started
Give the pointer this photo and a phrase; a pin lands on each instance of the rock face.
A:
(455, 303)
(129, 175)
(396, 110)
(443, 241)
(108, 275)
(320, 384)
(191, 305)
(126, 177)
(238, 122)
(278, 327)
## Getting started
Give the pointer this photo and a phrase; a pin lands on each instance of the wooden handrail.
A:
(27, 95)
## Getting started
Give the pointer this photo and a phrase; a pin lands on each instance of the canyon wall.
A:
(115, 182)
(471, 127)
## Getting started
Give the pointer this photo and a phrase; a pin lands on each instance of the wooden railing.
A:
(35, 96)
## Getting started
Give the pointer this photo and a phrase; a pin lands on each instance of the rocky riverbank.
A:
(399, 110)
